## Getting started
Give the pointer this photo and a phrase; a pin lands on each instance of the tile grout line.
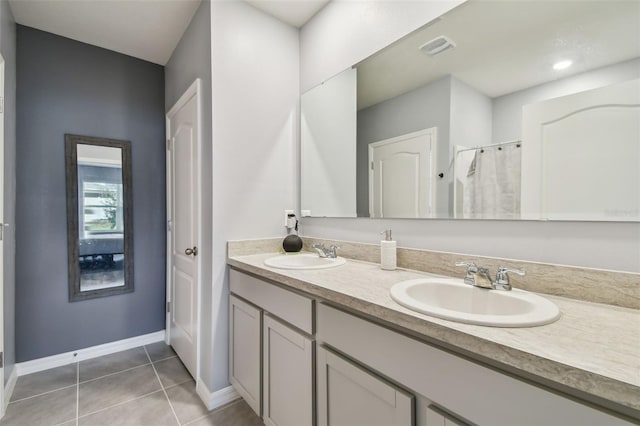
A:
(212, 411)
(120, 403)
(40, 394)
(162, 386)
(113, 374)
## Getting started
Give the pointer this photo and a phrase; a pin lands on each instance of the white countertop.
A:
(593, 350)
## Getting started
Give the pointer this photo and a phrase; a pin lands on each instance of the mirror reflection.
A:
(100, 213)
(535, 117)
(99, 261)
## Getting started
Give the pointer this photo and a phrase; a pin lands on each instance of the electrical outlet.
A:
(286, 217)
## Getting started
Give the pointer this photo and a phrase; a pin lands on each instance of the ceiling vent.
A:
(437, 45)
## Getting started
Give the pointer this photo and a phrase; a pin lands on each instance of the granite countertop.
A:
(592, 351)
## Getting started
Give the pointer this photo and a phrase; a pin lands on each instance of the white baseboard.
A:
(216, 399)
(9, 387)
(53, 361)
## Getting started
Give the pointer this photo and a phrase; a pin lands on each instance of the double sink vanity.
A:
(339, 341)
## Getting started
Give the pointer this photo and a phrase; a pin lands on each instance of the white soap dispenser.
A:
(387, 252)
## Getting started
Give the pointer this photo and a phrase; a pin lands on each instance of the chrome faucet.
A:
(502, 278)
(478, 276)
(324, 251)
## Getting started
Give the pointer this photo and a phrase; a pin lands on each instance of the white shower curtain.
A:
(492, 190)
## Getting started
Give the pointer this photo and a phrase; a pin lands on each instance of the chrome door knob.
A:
(191, 251)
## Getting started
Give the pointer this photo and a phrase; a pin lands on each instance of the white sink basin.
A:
(303, 261)
(454, 300)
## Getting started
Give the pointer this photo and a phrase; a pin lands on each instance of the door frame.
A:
(3, 403)
(431, 131)
(194, 90)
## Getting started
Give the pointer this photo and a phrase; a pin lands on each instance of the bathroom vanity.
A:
(331, 347)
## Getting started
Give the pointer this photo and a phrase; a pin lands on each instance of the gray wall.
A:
(69, 87)
(422, 108)
(190, 60)
(8, 49)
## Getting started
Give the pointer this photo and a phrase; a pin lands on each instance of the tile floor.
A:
(145, 386)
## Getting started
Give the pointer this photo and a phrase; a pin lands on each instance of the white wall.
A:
(344, 33)
(255, 76)
(328, 147)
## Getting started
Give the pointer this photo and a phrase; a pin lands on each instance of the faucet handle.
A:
(502, 278)
(471, 266)
(505, 270)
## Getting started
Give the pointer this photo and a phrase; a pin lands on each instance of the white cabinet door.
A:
(351, 396)
(288, 372)
(244, 351)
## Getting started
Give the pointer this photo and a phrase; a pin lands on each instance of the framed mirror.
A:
(516, 110)
(99, 216)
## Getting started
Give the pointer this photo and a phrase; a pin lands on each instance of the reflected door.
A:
(581, 156)
(400, 181)
(183, 135)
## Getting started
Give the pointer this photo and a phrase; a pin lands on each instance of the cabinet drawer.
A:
(450, 381)
(293, 308)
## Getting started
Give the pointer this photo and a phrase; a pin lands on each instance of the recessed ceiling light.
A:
(562, 65)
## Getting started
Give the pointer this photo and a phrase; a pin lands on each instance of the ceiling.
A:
(145, 29)
(505, 46)
(293, 12)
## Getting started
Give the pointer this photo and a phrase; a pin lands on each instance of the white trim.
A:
(217, 398)
(9, 387)
(3, 397)
(194, 90)
(53, 361)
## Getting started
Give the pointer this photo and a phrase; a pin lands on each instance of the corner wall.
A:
(65, 86)
(344, 33)
(255, 71)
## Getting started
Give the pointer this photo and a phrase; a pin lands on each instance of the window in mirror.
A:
(99, 217)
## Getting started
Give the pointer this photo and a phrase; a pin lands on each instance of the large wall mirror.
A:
(99, 217)
(495, 110)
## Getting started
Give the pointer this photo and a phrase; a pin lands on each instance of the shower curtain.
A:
(492, 190)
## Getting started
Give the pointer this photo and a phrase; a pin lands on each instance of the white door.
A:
(400, 176)
(599, 131)
(2, 230)
(183, 199)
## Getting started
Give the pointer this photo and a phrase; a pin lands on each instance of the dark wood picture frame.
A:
(73, 241)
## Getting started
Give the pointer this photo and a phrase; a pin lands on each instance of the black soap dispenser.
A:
(292, 243)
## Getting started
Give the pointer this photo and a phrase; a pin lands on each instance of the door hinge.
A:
(372, 165)
(1, 104)
(1, 359)
(168, 307)
(2, 226)
(168, 144)
(169, 225)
